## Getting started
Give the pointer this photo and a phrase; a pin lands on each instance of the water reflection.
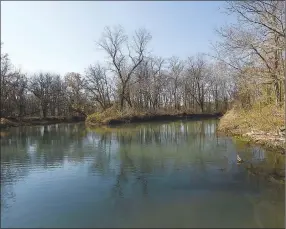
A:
(115, 164)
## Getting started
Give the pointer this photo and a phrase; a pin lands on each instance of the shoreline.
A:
(261, 126)
(275, 147)
(34, 121)
(269, 141)
(152, 118)
(266, 140)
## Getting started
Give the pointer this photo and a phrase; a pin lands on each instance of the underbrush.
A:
(263, 126)
(267, 119)
(115, 116)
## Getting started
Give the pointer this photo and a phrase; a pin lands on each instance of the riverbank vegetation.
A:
(114, 116)
(263, 125)
(133, 83)
(254, 50)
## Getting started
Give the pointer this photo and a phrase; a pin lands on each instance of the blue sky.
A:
(60, 36)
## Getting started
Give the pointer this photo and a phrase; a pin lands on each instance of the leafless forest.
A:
(246, 69)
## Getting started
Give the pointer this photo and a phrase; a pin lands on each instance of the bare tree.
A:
(40, 86)
(58, 97)
(176, 68)
(20, 86)
(157, 82)
(147, 83)
(133, 77)
(77, 98)
(114, 42)
(256, 44)
(98, 84)
(7, 78)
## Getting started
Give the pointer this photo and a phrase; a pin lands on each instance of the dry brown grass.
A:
(259, 124)
(114, 115)
(111, 113)
(266, 119)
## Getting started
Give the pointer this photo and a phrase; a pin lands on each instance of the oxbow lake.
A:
(157, 174)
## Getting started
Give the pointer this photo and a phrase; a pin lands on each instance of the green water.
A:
(160, 174)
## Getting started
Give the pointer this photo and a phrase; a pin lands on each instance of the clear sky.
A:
(60, 36)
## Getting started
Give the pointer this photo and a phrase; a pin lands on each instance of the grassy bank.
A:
(113, 116)
(264, 125)
(28, 121)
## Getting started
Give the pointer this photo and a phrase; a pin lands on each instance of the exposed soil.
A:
(30, 121)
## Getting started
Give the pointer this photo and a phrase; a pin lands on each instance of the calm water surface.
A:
(161, 174)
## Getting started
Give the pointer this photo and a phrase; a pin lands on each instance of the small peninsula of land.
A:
(114, 116)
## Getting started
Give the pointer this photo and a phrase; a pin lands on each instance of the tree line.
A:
(247, 67)
(131, 80)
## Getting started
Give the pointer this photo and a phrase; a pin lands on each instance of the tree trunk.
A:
(44, 111)
(121, 102)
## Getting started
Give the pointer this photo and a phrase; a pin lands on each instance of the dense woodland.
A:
(247, 69)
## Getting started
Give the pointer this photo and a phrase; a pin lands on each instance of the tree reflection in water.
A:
(140, 149)
(130, 156)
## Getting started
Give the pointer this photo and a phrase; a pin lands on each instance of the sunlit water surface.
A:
(160, 174)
